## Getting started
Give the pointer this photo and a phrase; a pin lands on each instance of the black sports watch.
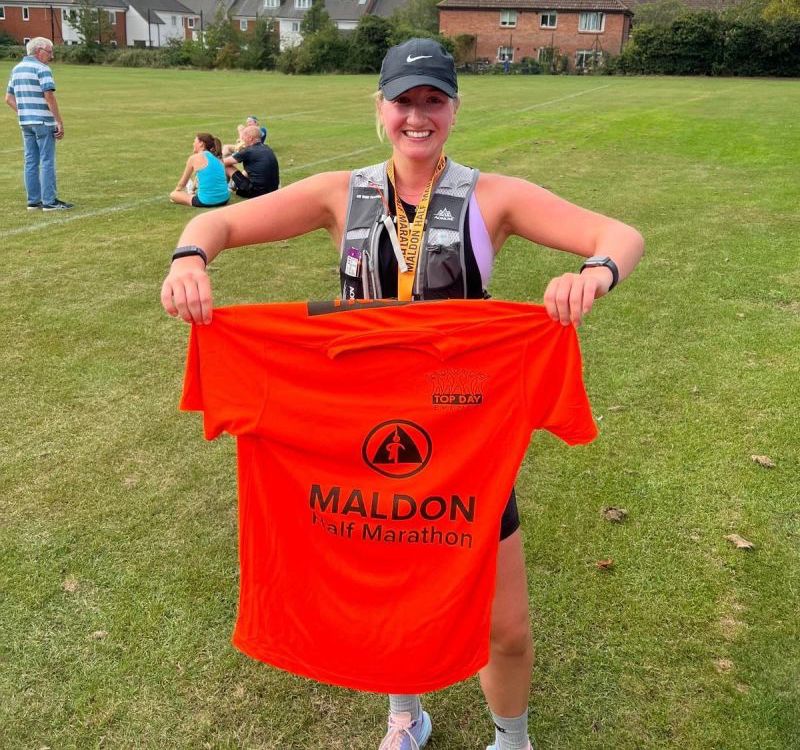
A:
(603, 260)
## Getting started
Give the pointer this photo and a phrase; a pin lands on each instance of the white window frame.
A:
(587, 55)
(26, 13)
(545, 55)
(190, 22)
(508, 19)
(302, 4)
(502, 51)
(272, 3)
(112, 17)
(242, 24)
(25, 40)
(551, 16)
(174, 20)
(588, 20)
(113, 42)
(296, 26)
(2, 12)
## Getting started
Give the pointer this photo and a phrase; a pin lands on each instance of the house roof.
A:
(385, 8)
(339, 10)
(208, 8)
(607, 6)
(103, 4)
(693, 5)
(154, 6)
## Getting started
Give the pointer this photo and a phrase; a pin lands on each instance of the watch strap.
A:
(188, 250)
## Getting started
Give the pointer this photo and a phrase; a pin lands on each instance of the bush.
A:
(706, 43)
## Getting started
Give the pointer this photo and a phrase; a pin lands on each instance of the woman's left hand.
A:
(569, 297)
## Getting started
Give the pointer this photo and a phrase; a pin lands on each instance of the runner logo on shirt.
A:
(397, 448)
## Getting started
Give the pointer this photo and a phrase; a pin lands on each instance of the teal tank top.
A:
(212, 185)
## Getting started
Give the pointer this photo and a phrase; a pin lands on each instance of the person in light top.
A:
(467, 218)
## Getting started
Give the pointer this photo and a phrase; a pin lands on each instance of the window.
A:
(548, 20)
(546, 55)
(272, 3)
(174, 20)
(508, 18)
(26, 14)
(113, 42)
(593, 22)
(295, 25)
(242, 24)
(69, 15)
(26, 40)
(112, 17)
(586, 58)
(505, 53)
(190, 22)
(2, 13)
(302, 4)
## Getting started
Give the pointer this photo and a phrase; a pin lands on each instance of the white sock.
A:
(511, 734)
(409, 703)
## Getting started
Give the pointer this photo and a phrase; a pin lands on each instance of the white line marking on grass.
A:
(555, 101)
(136, 204)
(87, 215)
(331, 158)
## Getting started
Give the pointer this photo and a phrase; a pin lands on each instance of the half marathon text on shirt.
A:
(360, 514)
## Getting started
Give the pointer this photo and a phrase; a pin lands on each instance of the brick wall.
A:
(42, 23)
(38, 25)
(527, 37)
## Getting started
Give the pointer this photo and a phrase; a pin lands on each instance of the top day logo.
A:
(397, 448)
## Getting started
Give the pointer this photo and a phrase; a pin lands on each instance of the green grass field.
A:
(118, 580)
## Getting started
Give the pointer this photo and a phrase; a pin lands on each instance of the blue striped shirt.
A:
(29, 80)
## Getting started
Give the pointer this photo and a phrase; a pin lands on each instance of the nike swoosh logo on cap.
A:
(410, 59)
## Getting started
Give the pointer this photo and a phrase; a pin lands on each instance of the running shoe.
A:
(58, 206)
(34, 206)
(405, 734)
(494, 747)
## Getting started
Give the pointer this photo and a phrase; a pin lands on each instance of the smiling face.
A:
(418, 121)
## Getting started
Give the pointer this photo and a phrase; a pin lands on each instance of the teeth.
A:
(418, 133)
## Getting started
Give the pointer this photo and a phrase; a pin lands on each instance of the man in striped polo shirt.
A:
(31, 94)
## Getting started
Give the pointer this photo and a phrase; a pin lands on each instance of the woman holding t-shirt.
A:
(209, 173)
(471, 215)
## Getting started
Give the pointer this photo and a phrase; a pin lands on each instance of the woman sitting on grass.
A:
(208, 172)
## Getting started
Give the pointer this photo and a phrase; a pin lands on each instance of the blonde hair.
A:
(379, 99)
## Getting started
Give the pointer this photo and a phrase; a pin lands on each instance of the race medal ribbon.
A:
(410, 233)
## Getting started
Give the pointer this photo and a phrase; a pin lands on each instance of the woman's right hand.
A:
(186, 292)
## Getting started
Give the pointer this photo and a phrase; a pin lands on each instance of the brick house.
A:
(515, 29)
(25, 19)
(146, 23)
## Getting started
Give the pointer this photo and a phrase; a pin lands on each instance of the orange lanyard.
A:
(410, 233)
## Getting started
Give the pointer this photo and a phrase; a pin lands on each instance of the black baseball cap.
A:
(418, 62)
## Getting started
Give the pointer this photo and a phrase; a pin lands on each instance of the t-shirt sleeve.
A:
(225, 378)
(554, 389)
(46, 80)
(238, 156)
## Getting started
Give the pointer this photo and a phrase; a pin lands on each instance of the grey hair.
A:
(38, 42)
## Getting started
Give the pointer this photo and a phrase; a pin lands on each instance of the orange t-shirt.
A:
(377, 446)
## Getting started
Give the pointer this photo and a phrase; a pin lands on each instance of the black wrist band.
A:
(188, 250)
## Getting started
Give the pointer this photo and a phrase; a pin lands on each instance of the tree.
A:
(782, 9)
(316, 19)
(420, 17)
(222, 42)
(262, 47)
(369, 43)
(658, 13)
(91, 25)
